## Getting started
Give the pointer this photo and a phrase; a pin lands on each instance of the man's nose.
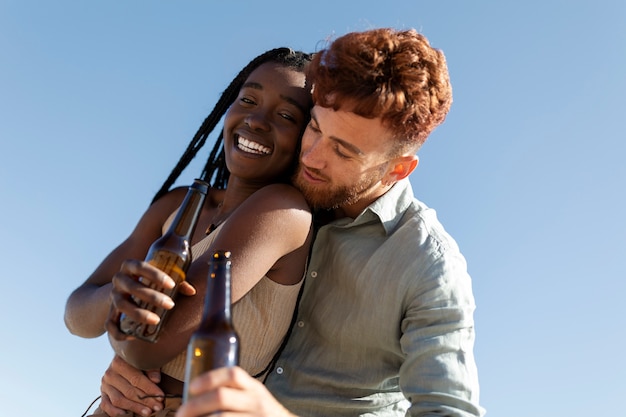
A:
(312, 154)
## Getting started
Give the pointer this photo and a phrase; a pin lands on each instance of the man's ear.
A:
(401, 167)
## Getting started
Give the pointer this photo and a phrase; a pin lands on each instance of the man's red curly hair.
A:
(387, 73)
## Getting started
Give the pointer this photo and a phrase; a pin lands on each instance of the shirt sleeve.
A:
(439, 375)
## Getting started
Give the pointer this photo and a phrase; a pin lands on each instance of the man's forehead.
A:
(367, 135)
(346, 120)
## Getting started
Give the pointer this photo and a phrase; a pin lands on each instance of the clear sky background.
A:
(98, 99)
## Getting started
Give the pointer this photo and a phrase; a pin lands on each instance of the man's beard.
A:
(328, 196)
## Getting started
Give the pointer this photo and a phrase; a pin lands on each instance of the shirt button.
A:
(313, 274)
(279, 370)
(300, 323)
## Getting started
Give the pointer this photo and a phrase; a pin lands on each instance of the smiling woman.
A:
(261, 219)
(270, 101)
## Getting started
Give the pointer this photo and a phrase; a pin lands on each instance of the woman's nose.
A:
(257, 121)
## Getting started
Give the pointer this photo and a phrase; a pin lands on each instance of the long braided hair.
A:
(215, 168)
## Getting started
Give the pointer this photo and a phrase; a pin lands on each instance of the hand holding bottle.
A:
(137, 280)
(171, 253)
(230, 391)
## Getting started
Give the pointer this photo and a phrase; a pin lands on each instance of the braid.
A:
(215, 167)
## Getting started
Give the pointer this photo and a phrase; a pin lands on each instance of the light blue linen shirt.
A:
(385, 325)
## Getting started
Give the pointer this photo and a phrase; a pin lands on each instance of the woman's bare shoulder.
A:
(266, 215)
(280, 196)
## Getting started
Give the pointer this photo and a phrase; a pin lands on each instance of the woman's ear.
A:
(400, 168)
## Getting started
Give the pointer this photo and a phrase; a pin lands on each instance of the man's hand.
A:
(125, 388)
(233, 390)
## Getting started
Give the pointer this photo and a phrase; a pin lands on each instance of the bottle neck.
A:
(185, 221)
(217, 303)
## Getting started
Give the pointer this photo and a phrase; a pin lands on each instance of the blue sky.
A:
(99, 99)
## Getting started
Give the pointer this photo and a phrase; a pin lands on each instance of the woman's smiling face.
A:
(262, 128)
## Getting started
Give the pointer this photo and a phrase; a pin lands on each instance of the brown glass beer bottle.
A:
(171, 253)
(215, 343)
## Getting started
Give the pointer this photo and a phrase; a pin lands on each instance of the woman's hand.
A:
(136, 282)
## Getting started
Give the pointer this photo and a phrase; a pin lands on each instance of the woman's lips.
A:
(250, 146)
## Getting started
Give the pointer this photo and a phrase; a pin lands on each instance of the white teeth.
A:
(252, 147)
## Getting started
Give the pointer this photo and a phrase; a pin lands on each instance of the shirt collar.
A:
(387, 209)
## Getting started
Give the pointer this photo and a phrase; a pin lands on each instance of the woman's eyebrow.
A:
(288, 99)
(294, 102)
(252, 84)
